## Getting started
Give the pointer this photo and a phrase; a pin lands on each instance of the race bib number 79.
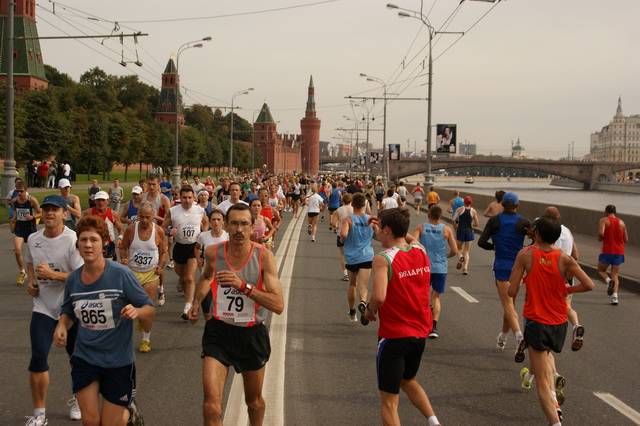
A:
(94, 314)
(231, 304)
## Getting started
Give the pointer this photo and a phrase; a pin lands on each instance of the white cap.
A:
(136, 190)
(101, 195)
(64, 183)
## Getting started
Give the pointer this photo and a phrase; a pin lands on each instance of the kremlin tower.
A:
(167, 108)
(310, 126)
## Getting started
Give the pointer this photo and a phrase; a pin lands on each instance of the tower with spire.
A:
(310, 127)
(167, 107)
(28, 66)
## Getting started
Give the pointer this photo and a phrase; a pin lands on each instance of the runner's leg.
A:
(113, 414)
(362, 283)
(214, 376)
(615, 277)
(389, 404)
(253, 381)
(351, 291)
(541, 365)
(466, 249)
(510, 317)
(89, 402)
(418, 396)
(17, 249)
(188, 282)
(436, 307)
(602, 272)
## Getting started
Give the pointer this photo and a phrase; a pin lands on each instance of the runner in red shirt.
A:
(401, 276)
(613, 234)
(545, 310)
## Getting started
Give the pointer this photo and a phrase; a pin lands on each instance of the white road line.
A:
(297, 343)
(466, 296)
(235, 412)
(623, 408)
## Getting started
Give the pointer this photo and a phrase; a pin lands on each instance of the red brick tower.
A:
(167, 104)
(28, 67)
(310, 127)
(266, 138)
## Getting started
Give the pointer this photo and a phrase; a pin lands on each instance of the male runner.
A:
(437, 238)
(25, 212)
(400, 297)
(432, 197)
(74, 209)
(50, 256)
(455, 203)
(129, 212)
(388, 202)
(234, 198)
(334, 202)
(144, 250)
(184, 222)
(545, 309)
(465, 218)
(243, 279)
(402, 192)
(506, 231)
(111, 219)
(116, 194)
(166, 187)
(613, 233)
(495, 207)
(356, 235)
(344, 211)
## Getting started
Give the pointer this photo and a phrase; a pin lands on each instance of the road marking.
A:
(297, 344)
(236, 410)
(466, 296)
(623, 408)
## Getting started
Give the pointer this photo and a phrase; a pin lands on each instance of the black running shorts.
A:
(544, 337)
(357, 266)
(183, 252)
(397, 360)
(244, 348)
(116, 385)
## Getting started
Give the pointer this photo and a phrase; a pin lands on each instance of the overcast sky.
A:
(546, 71)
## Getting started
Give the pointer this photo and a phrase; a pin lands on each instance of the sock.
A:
(187, 307)
(518, 335)
(433, 421)
(502, 335)
(557, 424)
(39, 412)
(146, 336)
(607, 280)
(344, 272)
(435, 324)
(529, 377)
(614, 295)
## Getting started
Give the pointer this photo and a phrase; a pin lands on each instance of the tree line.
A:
(106, 119)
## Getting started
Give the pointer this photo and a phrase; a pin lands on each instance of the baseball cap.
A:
(204, 192)
(467, 200)
(510, 198)
(136, 190)
(64, 183)
(54, 200)
(101, 195)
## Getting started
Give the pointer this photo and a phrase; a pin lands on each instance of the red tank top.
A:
(267, 212)
(613, 241)
(405, 311)
(546, 288)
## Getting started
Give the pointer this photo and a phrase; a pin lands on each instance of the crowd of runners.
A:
(95, 274)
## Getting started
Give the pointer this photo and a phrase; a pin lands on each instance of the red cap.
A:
(467, 200)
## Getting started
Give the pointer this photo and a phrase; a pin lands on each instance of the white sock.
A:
(433, 421)
(187, 308)
(518, 335)
(614, 295)
(557, 424)
(344, 272)
(39, 411)
(607, 280)
(146, 336)
(502, 336)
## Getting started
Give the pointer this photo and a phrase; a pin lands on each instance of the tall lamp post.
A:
(10, 172)
(233, 98)
(176, 173)
(385, 155)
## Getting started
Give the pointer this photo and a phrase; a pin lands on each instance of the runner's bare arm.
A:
(36, 208)
(118, 224)
(517, 273)
(31, 281)
(474, 218)
(572, 269)
(124, 246)
(270, 228)
(74, 207)
(344, 231)
(625, 237)
(60, 334)
(601, 226)
(166, 221)
(574, 251)
(203, 285)
(271, 297)
(415, 236)
(380, 270)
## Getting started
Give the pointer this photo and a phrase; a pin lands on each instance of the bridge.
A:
(589, 173)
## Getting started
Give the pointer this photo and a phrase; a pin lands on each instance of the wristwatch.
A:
(248, 289)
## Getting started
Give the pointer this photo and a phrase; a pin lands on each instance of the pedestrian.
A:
(613, 233)
(53, 171)
(465, 219)
(43, 174)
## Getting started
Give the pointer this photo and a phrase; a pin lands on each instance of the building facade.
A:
(619, 140)
(517, 150)
(467, 149)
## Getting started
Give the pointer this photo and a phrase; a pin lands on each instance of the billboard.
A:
(394, 151)
(446, 138)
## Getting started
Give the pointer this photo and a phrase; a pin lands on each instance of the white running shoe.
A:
(36, 421)
(613, 299)
(74, 409)
(501, 341)
(170, 264)
(161, 297)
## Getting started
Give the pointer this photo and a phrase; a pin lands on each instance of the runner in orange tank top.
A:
(545, 311)
(613, 234)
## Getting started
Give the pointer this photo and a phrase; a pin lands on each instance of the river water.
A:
(539, 190)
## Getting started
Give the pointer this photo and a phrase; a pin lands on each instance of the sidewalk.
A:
(588, 249)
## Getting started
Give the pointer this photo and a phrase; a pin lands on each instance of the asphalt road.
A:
(330, 363)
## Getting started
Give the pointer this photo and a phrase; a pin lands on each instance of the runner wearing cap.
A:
(111, 219)
(50, 256)
(129, 212)
(25, 210)
(465, 218)
(506, 232)
(74, 209)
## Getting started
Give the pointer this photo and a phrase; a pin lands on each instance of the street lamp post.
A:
(177, 170)
(385, 156)
(233, 98)
(10, 172)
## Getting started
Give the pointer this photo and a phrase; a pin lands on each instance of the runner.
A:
(455, 203)
(437, 238)
(344, 211)
(74, 209)
(432, 197)
(51, 255)
(25, 212)
(388, 202)
(379, 191)
(111, 219)
(262, 227)
(129, 212)
(295, 198)
(495, 207)
(103, 297)
(234, 198)
(116, 194)
(506, 231)
(545, 309)
(334, 202)
(315, 205)
(402, 192)
(204, 202)
(269, 212)
(418, 195)
(400, 297)
(465, 218)
(166, 187)
(613, 233)
(243, 279)
(144, 250)
(184, 222)
(356, 235)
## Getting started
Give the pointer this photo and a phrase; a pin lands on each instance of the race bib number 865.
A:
(95, 314)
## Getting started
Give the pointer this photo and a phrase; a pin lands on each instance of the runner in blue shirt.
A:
(335, 200)
(166, 187)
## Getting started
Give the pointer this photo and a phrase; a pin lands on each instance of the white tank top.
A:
(187, 223)
(143, 255)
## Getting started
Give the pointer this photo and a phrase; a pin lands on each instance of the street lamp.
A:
(233, 98)
(385, 158)
(176, 173)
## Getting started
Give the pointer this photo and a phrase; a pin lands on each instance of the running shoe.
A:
(434, 334)
(309, 229)
(184, 316)
(21, 277)
(145, 346)
(352, 316)
(345, 277)
(362, 307)
(162, 299)
(559, 412)
(613, 299)
(526, 379)
(561, 383)
(609, 286)
(460, 262)
(313, 239)
(501, 341)
(135, 417)
(170, 264)
(522, 345)
(465, 272)
(578, 335)
(322, 218)
(36, 421)
(74, 409)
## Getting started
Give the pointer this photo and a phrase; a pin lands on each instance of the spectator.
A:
(53, 171)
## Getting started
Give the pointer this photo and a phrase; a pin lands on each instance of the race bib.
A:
(143, 259)
(233, 305)
(43, 281)
(22, 213)
(94, 314)
(188, 233)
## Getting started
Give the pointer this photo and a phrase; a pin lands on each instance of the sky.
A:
(548, 72)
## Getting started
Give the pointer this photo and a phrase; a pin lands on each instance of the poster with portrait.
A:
(446, 138)
(394, 151)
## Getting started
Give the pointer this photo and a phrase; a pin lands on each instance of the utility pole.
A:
(10, 172)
